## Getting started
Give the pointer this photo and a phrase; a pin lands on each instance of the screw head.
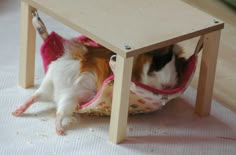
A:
(127, 47)
(216, 21)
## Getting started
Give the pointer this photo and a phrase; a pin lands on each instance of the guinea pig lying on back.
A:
(71, 80)
(75, 77)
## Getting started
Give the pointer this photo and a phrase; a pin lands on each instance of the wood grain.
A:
(143, 25)
(27, 47)
(207, 73)
(120, 100)
(225, 77)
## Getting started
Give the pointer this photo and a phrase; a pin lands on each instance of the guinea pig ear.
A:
(178, 50)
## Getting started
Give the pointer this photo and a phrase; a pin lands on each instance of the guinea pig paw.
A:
(18, 112)
(60, 131)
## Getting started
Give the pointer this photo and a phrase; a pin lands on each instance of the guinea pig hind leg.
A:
(43, 93)
(25, 106)
(65, 108)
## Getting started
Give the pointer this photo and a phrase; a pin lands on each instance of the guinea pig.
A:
(71, 80)
(75, 77)
(161, 68)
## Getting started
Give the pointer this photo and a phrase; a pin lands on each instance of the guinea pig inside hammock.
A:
(143, 98)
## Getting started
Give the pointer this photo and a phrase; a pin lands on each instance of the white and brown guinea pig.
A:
(75, 78)
(71, 80)
(161, 68)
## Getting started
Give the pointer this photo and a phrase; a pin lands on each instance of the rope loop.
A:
(39, 25)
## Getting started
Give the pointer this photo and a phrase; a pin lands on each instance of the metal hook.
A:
(39, 25)
(35, 13)
(199, 45)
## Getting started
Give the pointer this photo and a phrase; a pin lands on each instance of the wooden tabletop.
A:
(131, 27)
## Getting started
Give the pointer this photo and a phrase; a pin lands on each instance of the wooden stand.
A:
(27, 47)
(128, 28)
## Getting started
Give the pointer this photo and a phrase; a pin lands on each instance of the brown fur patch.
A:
(139, 61)
(76, 48)
(97, 60)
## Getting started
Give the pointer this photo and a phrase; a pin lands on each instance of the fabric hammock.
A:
(143, 99)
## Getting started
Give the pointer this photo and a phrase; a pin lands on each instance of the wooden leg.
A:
(27, 47)
(119, 113)
(207, 73)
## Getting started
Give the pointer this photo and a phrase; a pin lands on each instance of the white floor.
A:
(174, 130)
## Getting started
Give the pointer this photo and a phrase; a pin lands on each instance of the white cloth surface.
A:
(174, 130)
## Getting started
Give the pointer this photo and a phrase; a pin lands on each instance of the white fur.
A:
(167, 76)
(67, 87)
(64, 85)
(67, 81)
